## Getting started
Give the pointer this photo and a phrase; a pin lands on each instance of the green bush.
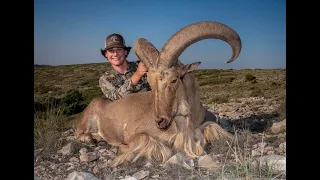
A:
(72, 103)
(91, 93)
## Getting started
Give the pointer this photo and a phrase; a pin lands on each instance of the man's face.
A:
(116, 56)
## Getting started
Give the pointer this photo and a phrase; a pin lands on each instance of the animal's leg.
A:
(210, 117)
(83, 135)
(97, 137)
(123, 148)
(85, 129)
(214, 128)
(212, 131)
(142, 145)
(199, 138)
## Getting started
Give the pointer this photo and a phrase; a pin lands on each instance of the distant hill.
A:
(40, 66)
(216, 85)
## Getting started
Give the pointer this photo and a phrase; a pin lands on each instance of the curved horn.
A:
(196, 32)
(146, 52)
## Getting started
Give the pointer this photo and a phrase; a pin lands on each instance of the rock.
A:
(262, 144)
(74, 159)
(67, 149)
(179, 160)
(141, 174)
(155, 176)
(88, 157)
(255, 153)
(274, 162)
(68, 132)
(95, 169)
(270, 152)
(81, 176)
(129, 178)
(83, 150)
(282, 147)
(148, 165)
(278, 127)
(206, 162)
(54, 166)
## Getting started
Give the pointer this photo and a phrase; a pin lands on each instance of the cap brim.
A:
(103, 52)
(115, 46)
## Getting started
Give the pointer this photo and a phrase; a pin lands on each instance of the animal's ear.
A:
(189, 68)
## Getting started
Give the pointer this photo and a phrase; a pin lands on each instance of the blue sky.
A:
(73, 31)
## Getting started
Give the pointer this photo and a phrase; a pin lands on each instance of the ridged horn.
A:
(146, 52)
(194, 33)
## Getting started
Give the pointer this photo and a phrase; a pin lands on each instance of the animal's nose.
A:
(163, 122)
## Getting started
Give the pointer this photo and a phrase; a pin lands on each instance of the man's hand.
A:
(141, 71)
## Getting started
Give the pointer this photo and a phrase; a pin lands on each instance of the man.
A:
(125, 77)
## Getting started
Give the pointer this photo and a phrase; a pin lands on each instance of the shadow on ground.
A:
(254, 124)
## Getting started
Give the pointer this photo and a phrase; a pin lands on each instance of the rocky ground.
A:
(257, 116)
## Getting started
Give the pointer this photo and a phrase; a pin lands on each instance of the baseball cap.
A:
(114, 40)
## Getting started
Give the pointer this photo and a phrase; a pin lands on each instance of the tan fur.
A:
(166, 120)
(143, 145)
(135, 131)
(212, 131)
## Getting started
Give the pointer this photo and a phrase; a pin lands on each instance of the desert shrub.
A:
(219, 99)
(37, 106)
(72, 103)
(214, 81)
(250, 77)
(91, 93)
(275, 84)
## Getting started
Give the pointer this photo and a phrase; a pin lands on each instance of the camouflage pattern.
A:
(115, 85)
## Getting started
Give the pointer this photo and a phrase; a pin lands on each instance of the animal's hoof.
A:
(110, 163)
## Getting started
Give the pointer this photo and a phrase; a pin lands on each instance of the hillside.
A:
(249, 103)
(216, 85)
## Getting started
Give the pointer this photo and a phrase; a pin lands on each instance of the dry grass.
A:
(234, 84)
(238, 161)
(47, 129)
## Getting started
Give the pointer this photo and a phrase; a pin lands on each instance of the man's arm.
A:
(112, 92)
(141, 71)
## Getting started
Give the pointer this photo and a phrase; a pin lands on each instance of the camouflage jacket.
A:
(115, 85)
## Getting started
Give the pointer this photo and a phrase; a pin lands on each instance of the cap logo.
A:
(114, 39)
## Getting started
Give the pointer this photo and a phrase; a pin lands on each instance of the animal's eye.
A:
(174, 81)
